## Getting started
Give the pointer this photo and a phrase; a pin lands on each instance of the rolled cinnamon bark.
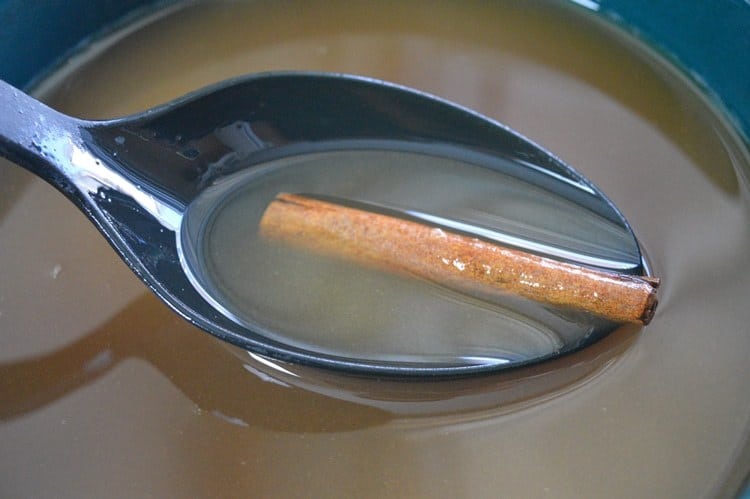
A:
(457, 261)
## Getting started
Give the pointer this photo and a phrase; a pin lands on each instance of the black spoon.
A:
(136, 177)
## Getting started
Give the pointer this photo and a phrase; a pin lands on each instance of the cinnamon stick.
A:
(455, 260)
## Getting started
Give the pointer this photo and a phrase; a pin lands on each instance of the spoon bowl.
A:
(138, 178)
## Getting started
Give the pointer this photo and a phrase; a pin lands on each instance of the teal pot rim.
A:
(708, 40)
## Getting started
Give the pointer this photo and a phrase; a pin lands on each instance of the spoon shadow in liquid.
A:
(223, 380)
(154, 183)
(202, 369)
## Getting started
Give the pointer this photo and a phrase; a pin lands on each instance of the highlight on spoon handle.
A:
(35, 136)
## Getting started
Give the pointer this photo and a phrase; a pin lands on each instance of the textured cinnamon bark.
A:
(455, 260)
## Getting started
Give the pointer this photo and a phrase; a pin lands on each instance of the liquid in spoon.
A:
(342, 309)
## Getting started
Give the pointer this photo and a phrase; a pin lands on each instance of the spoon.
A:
(140, 178)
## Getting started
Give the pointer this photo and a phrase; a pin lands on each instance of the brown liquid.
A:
(105, 393)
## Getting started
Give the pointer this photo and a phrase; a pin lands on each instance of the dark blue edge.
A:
(38, 37)
(708, 41)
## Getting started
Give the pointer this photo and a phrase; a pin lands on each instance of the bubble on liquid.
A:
(55, 272)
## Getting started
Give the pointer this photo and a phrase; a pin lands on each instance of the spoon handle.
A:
(36, 136)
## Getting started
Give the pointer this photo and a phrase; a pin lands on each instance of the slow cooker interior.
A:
(716, 65)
